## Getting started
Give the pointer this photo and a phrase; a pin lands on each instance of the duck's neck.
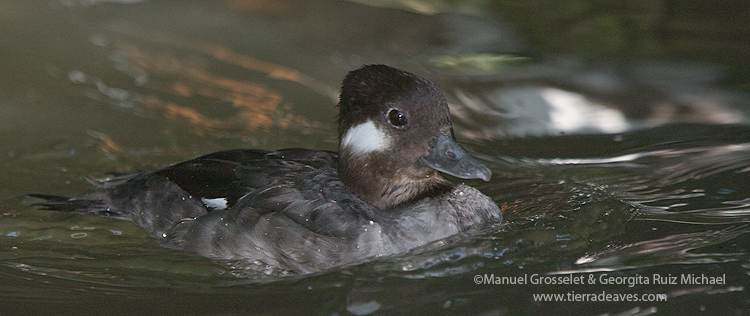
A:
(385, 186)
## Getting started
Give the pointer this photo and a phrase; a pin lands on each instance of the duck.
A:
(305, 211)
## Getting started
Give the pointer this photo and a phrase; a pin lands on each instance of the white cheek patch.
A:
(215, 204)
(365, 138)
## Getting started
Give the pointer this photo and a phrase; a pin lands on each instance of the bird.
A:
(303, 210)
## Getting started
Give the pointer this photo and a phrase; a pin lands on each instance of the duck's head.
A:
(395, 136)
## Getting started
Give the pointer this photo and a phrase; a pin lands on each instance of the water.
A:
(612, 165)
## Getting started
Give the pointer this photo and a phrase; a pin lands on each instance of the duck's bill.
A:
(447, 156)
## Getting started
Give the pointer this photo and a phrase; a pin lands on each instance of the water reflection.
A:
(574, 96)
(696, 185)
(170, 78)
(672, 249)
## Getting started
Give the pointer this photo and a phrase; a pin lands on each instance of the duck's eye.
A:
(397, 118)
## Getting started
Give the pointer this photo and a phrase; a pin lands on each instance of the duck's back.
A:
(263, 180)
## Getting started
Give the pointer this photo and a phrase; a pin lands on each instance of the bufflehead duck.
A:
(304, 210)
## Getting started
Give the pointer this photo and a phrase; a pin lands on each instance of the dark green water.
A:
(617, 134)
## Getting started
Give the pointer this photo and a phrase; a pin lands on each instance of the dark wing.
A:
(226, 174)
(301, 184)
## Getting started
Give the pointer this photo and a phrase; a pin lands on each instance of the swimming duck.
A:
(305, 210)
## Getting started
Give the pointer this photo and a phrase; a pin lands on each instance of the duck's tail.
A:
(67, 204)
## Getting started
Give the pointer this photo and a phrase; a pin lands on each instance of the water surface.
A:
(606, 162)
